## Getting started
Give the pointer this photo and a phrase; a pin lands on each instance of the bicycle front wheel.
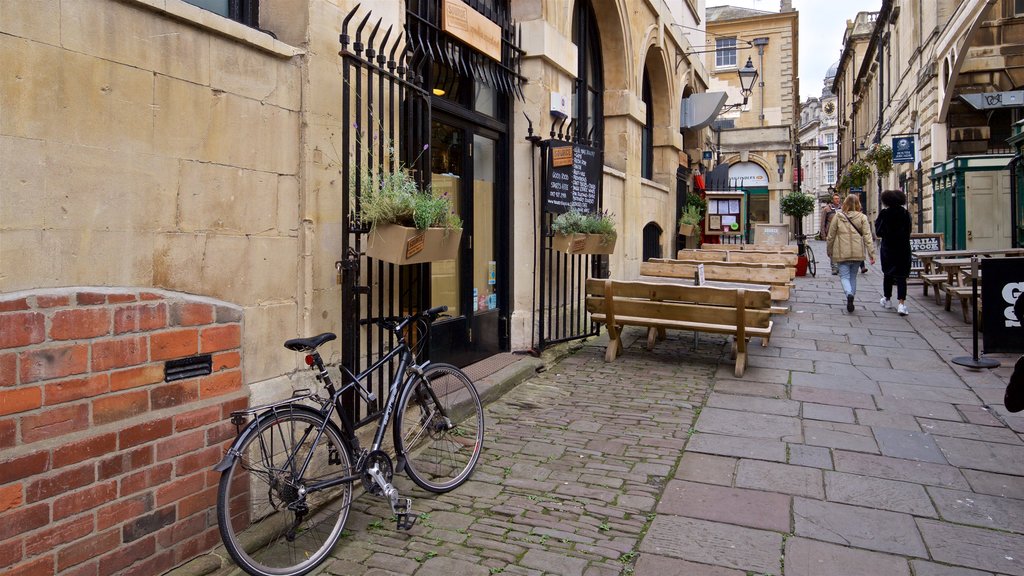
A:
(812, 266)
(439, 428)
(273, 520)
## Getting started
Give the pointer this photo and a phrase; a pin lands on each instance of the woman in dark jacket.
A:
(893, 227)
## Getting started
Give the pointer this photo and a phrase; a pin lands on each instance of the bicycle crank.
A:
(378, 468)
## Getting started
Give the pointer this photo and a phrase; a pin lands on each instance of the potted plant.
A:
(688, 220)
(408, 225)
(579, 233)
(797, 204)
(881, 156)
(859, 173)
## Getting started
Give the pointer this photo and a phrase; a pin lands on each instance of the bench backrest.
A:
(672, 302)
(779, 248)
(737, 256)
(727, 263)
(714, 271)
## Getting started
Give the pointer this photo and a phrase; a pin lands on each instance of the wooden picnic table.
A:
(927, 257)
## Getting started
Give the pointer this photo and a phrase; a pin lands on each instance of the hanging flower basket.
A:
(583, 243)
(406, 245)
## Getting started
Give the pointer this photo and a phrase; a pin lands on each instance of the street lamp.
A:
(748, 75)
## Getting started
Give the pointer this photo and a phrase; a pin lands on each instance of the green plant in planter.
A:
(693, 199)
(859, 173)
(574, 222)
(394, 198)
(690, 217)
(881, 156)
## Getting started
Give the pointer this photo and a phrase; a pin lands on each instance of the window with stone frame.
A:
(245, 11)
(588, 103)
(647, 133)
(725, 53)
(830, 172)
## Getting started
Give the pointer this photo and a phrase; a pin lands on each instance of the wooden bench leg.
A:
(965, 308)
(652, 338)
(741, 357)
(614, 343)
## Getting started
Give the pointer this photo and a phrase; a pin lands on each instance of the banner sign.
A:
(1002, 303)
(903, 150)
(573, 178)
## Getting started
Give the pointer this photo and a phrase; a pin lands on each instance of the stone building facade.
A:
(818, 129)
(196, 160)
(758, 139)
(906, 71)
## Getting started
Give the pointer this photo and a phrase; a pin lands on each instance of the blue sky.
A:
(822, 23)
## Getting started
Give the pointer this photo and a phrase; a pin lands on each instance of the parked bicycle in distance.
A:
(286, 482)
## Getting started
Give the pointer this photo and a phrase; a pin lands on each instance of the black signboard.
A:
(1000, 293)
(903, 150)
(573, 178)
(920, 242)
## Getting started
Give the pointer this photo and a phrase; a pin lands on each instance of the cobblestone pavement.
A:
(852, 446)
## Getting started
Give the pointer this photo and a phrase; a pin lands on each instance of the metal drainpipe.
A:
(761, 43)
(878, 128)
(920, 199)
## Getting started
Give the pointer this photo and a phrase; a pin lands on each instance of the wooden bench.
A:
(777, 279)
(936, 281)
(786, 259)
(736, 312)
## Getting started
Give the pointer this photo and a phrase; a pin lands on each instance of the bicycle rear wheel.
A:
(812, 266)
(268, 521)
(439, 428)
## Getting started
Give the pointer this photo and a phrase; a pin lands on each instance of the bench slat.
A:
(676, 269)
(679, 292)
(645, 322)
(680, 312)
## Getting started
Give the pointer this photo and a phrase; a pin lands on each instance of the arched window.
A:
(588, 108)
(647, 133)
(652, 241)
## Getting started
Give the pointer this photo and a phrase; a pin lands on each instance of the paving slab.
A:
(728, 505)
(866, 528)
(908, 444)
(811, 558)
(971, 547)
(963, 507)
(714, 543)
(986, 456)
(878, 493)
(783, 478)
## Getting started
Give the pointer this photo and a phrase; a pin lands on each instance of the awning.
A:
(698, 110)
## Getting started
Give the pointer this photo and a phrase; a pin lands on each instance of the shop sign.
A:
(903, 150)
(471, 27)
(1002, 304)
(573, 177)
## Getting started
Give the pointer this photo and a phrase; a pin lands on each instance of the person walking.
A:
(828, 212)
(893, 226)
(849, 236)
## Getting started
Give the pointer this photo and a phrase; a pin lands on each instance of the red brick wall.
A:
(104, 467)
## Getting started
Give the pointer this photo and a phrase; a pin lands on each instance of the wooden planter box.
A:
(686, 229)
(582, 244)
(404, 245)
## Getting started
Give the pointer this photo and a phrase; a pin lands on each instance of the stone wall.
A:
(106, 467)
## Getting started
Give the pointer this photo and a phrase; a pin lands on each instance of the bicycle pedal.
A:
(404, 517)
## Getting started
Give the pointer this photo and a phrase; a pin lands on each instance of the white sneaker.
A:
(886, 303)
(902, 309)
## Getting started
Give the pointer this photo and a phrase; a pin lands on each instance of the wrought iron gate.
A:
(561, 282)
(386, 127)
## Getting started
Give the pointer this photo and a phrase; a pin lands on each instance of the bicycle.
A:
(812, 265)
(286, 482)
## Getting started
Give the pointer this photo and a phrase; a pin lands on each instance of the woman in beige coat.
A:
(849, 236)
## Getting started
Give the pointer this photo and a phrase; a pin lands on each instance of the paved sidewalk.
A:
(852, 446)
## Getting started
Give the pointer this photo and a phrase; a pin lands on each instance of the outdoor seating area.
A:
(949, 274)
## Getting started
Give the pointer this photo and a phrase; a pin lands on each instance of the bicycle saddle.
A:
(309, 344)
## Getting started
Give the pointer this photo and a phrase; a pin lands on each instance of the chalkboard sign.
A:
(922, 243)
(1000, 295)
(573, 178)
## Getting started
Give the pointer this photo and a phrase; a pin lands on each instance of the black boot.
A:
(849, 303)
